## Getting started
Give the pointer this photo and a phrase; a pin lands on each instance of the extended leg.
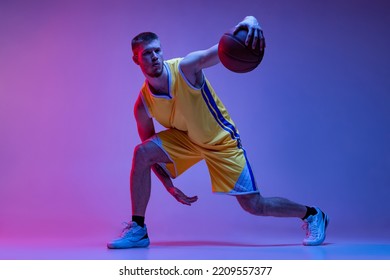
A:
(315, 224)
(271, 206)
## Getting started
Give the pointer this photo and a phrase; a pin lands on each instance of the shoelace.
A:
(311, 228)
(127, 228)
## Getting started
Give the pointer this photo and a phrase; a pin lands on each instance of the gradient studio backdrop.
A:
(314, 117)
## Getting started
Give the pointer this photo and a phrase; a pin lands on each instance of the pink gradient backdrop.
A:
(314, 117)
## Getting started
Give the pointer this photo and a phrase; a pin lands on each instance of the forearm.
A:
(198, 60)
(162, 176)
(210, 57)
(175, 192)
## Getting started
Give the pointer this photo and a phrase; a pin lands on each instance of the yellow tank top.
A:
(197, 111)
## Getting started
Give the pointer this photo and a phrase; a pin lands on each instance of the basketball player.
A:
(177, 94)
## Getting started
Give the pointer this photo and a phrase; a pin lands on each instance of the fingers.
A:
(262, 40)
(181, 197)
(186, 200)
(192, 199)
(256, 36)
(249, 37)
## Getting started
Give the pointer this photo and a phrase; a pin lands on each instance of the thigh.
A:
(230, 171)
(180, 150)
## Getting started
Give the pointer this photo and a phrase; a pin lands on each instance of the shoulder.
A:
(174, 68)
(173, 63)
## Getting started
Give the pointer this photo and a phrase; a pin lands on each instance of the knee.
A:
(252, 204)
(142, 155)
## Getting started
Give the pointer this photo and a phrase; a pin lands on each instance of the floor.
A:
(83, 258)
(269, 249)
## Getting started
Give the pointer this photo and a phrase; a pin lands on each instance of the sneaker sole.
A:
(143, 243)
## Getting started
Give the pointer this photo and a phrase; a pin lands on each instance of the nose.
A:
(154, 56)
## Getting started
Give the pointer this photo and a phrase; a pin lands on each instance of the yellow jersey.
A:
(197, 111)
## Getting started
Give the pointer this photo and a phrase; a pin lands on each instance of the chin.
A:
(156, 74)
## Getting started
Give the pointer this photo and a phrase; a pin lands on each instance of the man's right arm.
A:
(146, 130)
(145, 124)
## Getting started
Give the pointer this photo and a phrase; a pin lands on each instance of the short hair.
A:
(144, 37)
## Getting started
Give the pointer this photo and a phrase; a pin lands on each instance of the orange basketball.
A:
(235, 55)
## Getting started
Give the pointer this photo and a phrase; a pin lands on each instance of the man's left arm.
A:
(194, 62)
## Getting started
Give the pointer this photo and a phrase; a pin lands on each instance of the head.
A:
(147, 53)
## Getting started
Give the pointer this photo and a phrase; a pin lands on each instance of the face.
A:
(149, 57)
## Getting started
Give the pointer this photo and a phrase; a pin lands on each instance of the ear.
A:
(135, 59)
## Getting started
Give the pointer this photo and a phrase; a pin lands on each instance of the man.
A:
(177, 94)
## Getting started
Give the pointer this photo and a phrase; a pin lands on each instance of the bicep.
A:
(145, 123)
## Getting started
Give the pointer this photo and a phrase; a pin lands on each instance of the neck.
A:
(159, 84)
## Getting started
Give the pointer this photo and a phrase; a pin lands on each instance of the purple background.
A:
(314, 117)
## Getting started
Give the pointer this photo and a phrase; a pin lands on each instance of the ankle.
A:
(310, 211)
(139, 220)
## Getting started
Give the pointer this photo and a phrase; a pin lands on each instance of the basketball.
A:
(235, 55)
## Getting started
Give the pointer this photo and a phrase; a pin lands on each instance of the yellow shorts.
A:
(228, 166)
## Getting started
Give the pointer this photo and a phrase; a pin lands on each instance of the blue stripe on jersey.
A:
(214, 110)
(250, 171)
(226, 125)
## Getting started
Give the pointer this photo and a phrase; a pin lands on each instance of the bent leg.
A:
(145, 155)
(271, 206)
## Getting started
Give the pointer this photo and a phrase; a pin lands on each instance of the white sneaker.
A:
(132, 236)
(315, 226)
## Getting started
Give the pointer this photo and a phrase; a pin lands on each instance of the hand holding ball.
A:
(235, 55)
